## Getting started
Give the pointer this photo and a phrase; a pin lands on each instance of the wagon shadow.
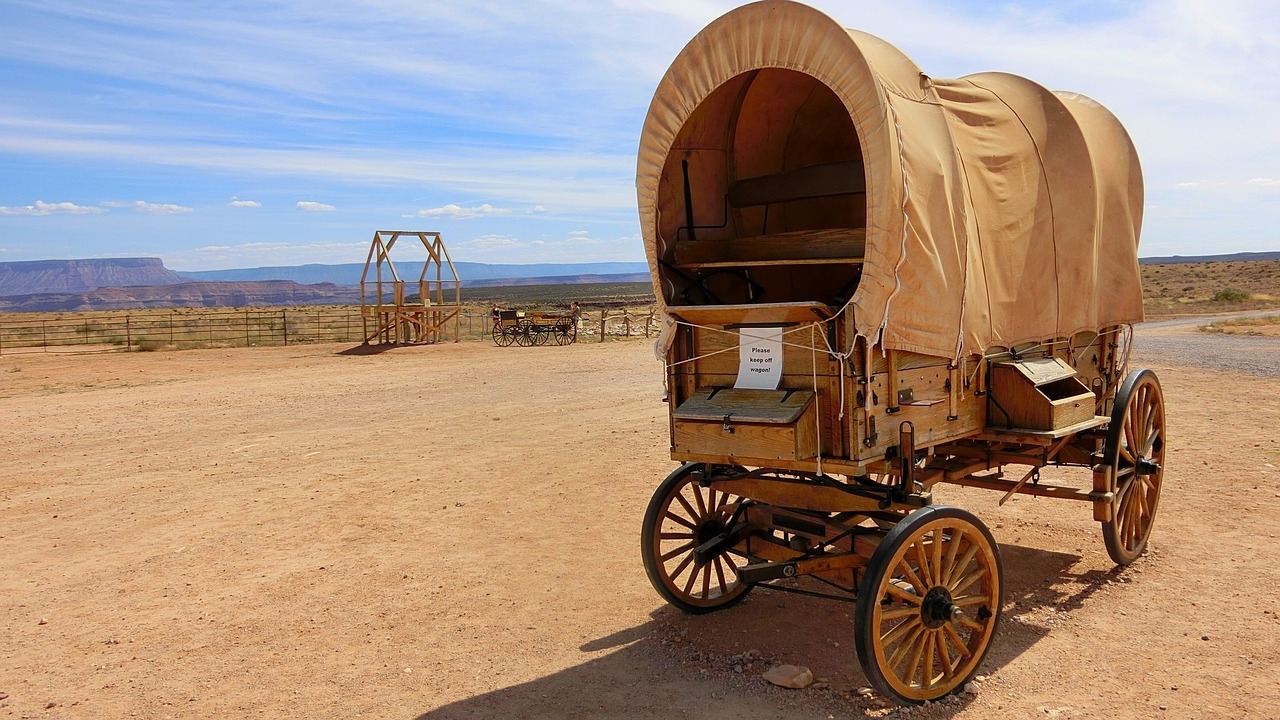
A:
(683, 665)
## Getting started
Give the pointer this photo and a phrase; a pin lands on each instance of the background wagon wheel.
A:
(524, 335)
(928, 604)
(681, 516)
(565, 334)
(502, 336)
(1134, 456)
(541, 334)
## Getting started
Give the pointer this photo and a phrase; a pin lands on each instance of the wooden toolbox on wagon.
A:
(1039, 394)
(747, 423)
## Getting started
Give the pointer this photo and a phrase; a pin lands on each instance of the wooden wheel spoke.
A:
(930, 645)
(953, 548)
(706, 580)
(1126, 455)
(916, 656)
(958, 569)
(922, 560)
(677, 519)
(970, 600)
(693, 576)
(676, 536)
(948, 668)
(672, 553)
(900, 654)
(1149, 447)
(898, 614)
(903, 595)
(697, 497)
(967, 581)
(903, 629)
(913, 578)
(972, 624)
(719, 563)
(956, 640)
(935, 563)
(694, 515)
(680, 568)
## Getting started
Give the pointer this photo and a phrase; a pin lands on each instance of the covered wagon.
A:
(876, 281)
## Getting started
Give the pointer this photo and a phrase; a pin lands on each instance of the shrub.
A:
(1230, 295)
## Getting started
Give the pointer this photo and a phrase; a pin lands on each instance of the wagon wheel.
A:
(1134, 456)
(524, 335)
(542, 335)
(928, 605)
(565, 333)
(681, 516)
(501, 336)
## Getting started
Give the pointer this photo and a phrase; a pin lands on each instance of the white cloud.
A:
(309, 206)
(573, 233)
(266, 254)
(537, 209)
(1265, 182)
(149, 208)
(43, 208)
(244, 203)
(457, 212)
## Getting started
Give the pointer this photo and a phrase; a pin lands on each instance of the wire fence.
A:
(191, 328)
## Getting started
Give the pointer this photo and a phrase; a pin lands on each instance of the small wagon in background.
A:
(528, 329)
(875, 282)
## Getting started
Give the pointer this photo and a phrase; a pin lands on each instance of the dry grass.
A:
(1268, 325)
(1181, 289)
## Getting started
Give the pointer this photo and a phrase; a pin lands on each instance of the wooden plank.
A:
(762, 314)
(797, 494)
(741, 405)
(1061, 492)
(1027, 436)
(844, 177)
(831, 245)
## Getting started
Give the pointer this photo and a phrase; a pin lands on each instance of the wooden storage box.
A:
(741, 425)
(1038, 394)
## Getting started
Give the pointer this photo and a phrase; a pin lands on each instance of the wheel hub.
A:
(1146, 466)
(937, 609)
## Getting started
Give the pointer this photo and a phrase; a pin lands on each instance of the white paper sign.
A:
(759, 358)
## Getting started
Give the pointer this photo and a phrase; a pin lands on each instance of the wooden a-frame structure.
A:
(393, 315)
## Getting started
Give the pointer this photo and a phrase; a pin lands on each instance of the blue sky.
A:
(238, 134)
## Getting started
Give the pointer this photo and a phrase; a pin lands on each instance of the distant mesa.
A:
(137, 283)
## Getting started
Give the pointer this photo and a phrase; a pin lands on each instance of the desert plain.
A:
(452, 531)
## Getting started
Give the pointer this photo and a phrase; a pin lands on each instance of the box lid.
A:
(778, 407)
(1040, 371)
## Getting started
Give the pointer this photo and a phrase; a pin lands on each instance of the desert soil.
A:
(453, 532)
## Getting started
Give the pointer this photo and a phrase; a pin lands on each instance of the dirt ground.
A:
(453, 532)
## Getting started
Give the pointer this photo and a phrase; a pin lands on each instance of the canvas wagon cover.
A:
(997, 211)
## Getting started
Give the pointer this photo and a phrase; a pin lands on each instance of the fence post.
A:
(171, 327)
(284, 325)
(128, 334)
(604, 318)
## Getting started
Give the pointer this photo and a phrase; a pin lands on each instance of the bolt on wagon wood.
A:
(875, 281)
(395, 311)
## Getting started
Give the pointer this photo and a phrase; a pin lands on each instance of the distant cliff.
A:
(188, 294)
(76, 276)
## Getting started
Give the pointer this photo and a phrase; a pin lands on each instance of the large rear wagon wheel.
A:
(1134, 456)
(681, 516)
(928, 605)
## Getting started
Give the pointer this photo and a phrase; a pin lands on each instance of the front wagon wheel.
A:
(681, 516)
(928, 605)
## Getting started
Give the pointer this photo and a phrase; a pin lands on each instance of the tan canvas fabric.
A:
(997, 212)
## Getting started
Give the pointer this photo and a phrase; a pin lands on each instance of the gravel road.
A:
(1179, 342)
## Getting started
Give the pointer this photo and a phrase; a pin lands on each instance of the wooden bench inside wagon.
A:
(876, 282)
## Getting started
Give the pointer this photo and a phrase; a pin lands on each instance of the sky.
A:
(229, 134)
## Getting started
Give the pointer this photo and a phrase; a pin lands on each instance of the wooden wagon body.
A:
(874, 282)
